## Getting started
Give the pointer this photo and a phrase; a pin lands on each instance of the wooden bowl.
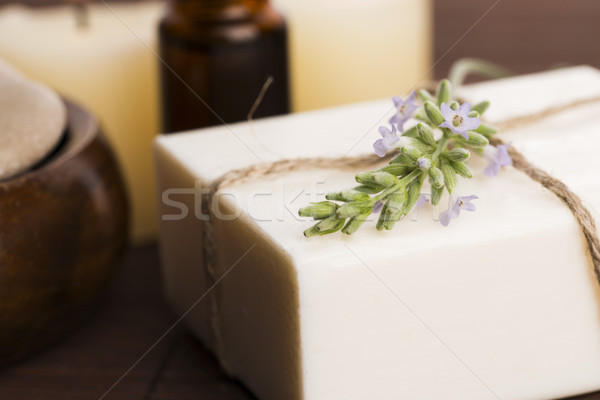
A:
(63, 232)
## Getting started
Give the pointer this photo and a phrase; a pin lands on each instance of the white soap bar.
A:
(501, 304)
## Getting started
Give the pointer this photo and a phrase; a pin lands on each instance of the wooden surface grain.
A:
(118, 354)
(525, 36)
(123, 353)
(87, 364)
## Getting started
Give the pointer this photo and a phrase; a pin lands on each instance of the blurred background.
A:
(340, 51)
(106, 58)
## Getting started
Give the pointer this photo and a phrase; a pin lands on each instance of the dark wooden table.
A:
(118, 354)
(87, 365)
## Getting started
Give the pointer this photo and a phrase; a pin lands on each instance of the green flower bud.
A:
(454, 105)
(436, 177)
(412, 132)
(458, 154)
(414, 190)
(481, 107)
(433, 113)
(392, 211)
(354, 195)
(486, 130)
(396, 201)
(365, 178)
(327, 223)
(312, 231)
(436, 195)
(476, 140)
(444, 92)
(384, 178)
(461, 169)
(337, 196)
(403, 160)
(395, 169)
(426, 134)
(421, 115)
(354, 223)
(424, 95)
(449, 176)
(319, 210)
(473, 114)
(412, 152)
(347, 195)
(422, 146)
(326, 226)
(370, 189)
(424, 163)
(354, 208)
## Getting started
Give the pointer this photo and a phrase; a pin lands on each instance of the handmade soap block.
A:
(500, 304)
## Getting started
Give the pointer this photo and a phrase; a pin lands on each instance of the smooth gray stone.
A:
(8, 70)
(32, 121)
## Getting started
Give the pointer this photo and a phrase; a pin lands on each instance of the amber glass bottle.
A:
(216, 57)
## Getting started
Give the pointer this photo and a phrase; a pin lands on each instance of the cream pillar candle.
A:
(345, 51)
(107, 68)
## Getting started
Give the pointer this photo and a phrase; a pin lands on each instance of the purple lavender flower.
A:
(459, 121)
(422, 200)
(382, 146)
(424, 163)
(405, 109)
(461, 203)
(498, 158)
(377, 206)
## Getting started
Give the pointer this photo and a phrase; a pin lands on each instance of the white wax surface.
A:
(353, 50)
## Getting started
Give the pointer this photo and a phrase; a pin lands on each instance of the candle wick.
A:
(260, 97)
(257, 102)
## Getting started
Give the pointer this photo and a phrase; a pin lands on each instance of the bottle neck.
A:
(211, 9)
(256, 5)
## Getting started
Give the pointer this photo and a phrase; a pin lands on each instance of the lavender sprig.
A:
(434, 151)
